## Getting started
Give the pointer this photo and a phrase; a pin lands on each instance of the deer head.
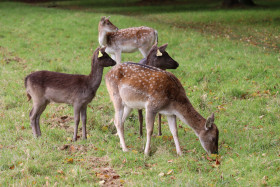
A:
(106, 26)
(159, 58)
(209, 136)
(102, 58)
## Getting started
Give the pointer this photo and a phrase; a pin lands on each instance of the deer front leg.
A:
(150, 119)
(84, 121)
(77, 110)
(173, 128)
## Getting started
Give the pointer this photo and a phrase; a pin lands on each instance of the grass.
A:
(220, 69)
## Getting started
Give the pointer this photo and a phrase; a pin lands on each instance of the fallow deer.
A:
(125, 40)
(44, 87)
(138, 86)
(158, 58)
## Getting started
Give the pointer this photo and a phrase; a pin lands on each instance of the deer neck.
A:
(95, 75)
(190, 116)
(102, 38)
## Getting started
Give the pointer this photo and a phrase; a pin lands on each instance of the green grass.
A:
(220, 69)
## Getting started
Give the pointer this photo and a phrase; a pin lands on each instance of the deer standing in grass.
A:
(44, 87)
(125, 40)
(139, 86)
(159, 58)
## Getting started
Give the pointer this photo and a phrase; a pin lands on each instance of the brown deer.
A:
(158, 58)
(139, 86)
(125, 40)
(44, 87)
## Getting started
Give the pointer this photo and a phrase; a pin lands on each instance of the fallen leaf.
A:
(12, 167)
(124, 161)
(172, 177)
(161, 174)
(102, 182)
(60, 171)
(134, 151)
(217, 162)
(122, 181)
(116, 176)
(69, 160)
(169, 172)
(170, 161)
(1, 146)
(104, 128)
(72, 148)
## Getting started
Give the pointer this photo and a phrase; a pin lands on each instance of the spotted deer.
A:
(132, 85)
(125, 40)
(44, 87)
(159, 58)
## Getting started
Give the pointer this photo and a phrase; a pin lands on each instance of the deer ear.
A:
(108, 17)
(163, 47)
(102, 49)
(103, 19)
(209, 122)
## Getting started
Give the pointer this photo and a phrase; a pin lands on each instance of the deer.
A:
(44, 87)
(157, 57)
(133, 85)
(127, 40)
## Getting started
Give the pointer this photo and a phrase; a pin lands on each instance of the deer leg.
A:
(150, 119)
(126, 113)
(140, 117)
(113, 57)
(41, 110)
(119, 111)
(77, 110)
(118, 56)
(173, 128)
(159, 125)
(34, 117)
(144, 52)
(83, 113)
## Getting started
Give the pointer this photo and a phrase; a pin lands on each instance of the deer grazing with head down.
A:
(44, 87)
(132, 85)
(125, 40)
(159, 58)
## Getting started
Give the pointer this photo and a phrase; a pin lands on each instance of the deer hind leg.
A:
(118, 56)
(41, 110)
(144, 51)
(159, 125)
(173, 128)
(119, 114)
(35, 113)
(83, 113)
(150, 119)
(140, 117)
(126, 113)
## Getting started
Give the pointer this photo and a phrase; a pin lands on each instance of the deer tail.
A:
(25, 84)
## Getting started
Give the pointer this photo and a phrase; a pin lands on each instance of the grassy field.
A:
(229, 64)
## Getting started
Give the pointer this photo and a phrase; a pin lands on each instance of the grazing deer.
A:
(139, 86)
(158, 58)
(44, 87)
(125, 40)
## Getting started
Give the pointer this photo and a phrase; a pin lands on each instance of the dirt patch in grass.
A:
(99, 166)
